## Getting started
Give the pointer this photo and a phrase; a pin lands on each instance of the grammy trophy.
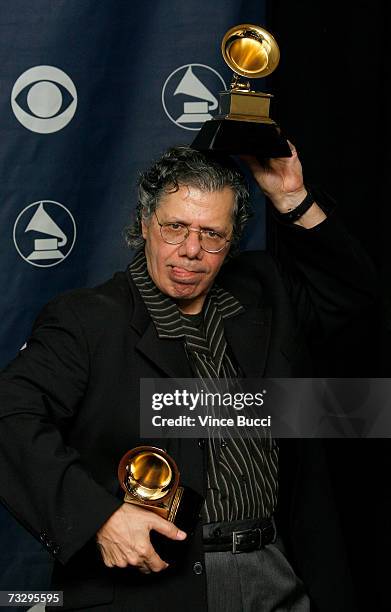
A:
(150, 478)
(243, 125)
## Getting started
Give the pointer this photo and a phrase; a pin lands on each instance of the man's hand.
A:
(124, 538)
(281, 180)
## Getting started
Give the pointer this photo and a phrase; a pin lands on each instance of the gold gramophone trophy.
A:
(150, 478)
(243, 125)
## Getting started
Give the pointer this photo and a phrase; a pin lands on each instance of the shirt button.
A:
(197, 568)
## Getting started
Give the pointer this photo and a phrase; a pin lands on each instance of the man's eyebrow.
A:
(173, 219)
(218, 230)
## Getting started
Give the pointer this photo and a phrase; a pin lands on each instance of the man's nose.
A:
(191, 247)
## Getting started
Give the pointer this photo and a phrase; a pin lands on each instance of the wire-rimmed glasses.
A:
(176, 233)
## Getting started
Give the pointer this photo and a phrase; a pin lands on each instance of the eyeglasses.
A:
(176, 233)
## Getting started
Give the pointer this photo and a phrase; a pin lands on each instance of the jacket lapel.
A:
(247, 334)
(167, 354)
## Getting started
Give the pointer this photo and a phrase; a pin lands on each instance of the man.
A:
(69, 403)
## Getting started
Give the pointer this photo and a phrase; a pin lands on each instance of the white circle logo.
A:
(189, 95)
(44, 233)
(44, 99)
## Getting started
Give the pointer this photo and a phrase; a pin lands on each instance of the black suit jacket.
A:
(69, 409)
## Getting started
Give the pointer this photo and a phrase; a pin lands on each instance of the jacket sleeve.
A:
(43, 481)
(327, 273)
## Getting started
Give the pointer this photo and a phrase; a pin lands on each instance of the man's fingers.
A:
(154, 562)
(113, 558)
(254, 163)
(107, 559)
(291, 146)
(125, 539)
(145, 555)
(166, 528)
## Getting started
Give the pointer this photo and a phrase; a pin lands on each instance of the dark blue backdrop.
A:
(90, 92)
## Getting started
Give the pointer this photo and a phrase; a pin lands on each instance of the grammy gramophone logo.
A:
(188, 95)
(44, 233)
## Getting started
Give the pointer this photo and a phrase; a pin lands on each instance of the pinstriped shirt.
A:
(242, 475)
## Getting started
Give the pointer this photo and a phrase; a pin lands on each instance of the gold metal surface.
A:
(149, 475)
(248, 55)
(160, 508)
(250, 51)
(245, 106)
(175, 504)
(150, 479)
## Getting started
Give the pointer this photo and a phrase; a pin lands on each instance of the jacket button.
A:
(197, 568)
(55, 549)
(201, 443)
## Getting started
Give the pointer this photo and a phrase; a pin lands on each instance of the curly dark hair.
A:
(183, 165)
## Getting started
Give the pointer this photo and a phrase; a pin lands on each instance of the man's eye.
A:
(213, 235)
(175, 227)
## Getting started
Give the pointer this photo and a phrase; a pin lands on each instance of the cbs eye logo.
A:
(44, 99)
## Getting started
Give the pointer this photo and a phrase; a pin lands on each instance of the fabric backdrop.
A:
(90, 93)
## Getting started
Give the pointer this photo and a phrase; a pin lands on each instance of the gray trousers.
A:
(258, 581)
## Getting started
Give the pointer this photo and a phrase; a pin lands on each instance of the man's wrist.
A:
(293, 210)
(287, 202)
(314, 216)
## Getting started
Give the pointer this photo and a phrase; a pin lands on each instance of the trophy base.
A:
(242, 138)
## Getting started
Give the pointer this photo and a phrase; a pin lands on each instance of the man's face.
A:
(186, 272)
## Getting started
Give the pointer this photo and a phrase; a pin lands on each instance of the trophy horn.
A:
(148, 474)
(250, 51)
